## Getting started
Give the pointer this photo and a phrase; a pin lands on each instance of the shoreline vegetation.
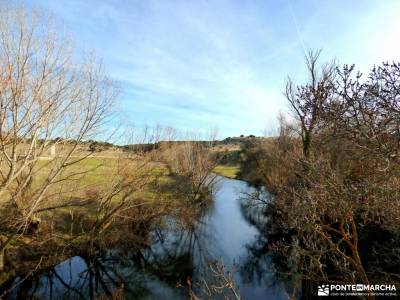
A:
(332, 172)
(333, 175)
(60, 192)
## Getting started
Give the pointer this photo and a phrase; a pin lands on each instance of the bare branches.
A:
(44, 94)
(220, 283)
(329, 209)
(307, 100)
(49, 105)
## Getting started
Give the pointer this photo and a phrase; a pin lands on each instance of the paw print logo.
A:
(323, 290)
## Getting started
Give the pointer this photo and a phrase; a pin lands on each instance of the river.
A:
(226, 233)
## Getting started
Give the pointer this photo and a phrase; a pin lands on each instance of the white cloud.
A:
(200, 64)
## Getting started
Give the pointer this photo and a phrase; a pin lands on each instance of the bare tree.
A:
(49, 104)
(308, 100)
(192, 162)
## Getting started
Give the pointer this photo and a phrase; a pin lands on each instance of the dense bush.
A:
(335, 213)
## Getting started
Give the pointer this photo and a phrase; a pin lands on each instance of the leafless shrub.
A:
(191, 163)
(219, 283)
(331, 202)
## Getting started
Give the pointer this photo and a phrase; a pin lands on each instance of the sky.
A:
(196, 65)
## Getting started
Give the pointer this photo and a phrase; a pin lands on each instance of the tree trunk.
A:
(2, 254)
(306, 144)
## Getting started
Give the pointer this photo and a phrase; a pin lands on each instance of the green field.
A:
(227, 171)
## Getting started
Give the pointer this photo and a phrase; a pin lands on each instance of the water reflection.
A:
(230, 230)
(262, 265)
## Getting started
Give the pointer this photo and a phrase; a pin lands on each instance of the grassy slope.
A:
(227, 171)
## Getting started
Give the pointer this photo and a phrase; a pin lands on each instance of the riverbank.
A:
(176, 252)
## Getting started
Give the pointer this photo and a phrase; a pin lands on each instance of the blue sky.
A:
(222, 64)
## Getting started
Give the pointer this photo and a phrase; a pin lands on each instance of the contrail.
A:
(297, 27)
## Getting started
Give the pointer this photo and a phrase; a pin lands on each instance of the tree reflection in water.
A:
(262, 265)
(172, 258)
(228, 230)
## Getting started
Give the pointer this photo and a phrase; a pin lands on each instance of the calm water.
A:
(228, 233)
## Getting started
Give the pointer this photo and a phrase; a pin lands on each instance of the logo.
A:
(323, 290)
(357, 290)
(359, 287)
